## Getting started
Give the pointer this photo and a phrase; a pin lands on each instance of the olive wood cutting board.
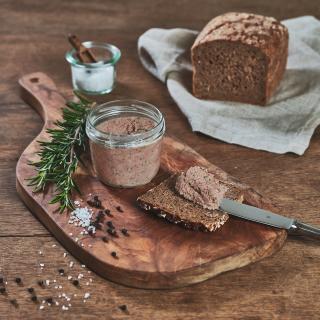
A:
(156, 254)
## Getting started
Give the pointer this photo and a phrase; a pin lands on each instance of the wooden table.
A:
(32, 34)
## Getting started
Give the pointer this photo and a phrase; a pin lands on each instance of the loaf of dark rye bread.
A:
(164, 201)
(239, 57)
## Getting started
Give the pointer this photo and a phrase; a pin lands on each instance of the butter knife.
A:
(269, 218)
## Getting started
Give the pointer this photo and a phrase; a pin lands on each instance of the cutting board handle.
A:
(39, 91)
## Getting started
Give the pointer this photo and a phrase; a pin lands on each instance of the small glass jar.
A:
(95, 78)
(127, 159)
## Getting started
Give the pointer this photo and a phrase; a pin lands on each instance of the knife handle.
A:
(302, 229)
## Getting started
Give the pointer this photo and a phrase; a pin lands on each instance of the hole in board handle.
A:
(34, 80)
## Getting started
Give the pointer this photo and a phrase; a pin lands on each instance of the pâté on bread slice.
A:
(165, 202)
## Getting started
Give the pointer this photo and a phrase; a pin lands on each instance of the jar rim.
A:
(115, 55)
(129, 107)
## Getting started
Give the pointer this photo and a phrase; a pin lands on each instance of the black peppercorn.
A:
(105, 239)
(49, 300)
(1, 280)
(41, 283)
(110, 224)
(100, 216)
(2, 290)
(75, 282)
(114, 254)
(97, 204)
(18, 280)
(61, 271)
(97, 225)
(125, 232)
(30, 290)
(123, 307)
(112, 232)
(108, 213)
(119, 209)
(34, 298)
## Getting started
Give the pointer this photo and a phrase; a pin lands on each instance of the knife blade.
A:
(255, 214)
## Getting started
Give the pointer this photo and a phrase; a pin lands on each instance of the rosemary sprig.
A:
(59, 157)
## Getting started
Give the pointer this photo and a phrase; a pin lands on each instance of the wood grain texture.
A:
(284, 286)
(157, 254)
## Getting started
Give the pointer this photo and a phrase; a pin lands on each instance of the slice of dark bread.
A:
(164, 201)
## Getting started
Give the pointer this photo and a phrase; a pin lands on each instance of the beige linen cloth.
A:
(285, 125)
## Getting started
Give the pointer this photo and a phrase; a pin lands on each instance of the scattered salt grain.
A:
(65, 254)
(83, 265)
(47, 282)
(71, 264)
(86, 295)
(81, 216)
(41, 307)
(69, 277)
(54, 245)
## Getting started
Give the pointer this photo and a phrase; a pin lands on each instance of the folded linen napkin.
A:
(286, 125)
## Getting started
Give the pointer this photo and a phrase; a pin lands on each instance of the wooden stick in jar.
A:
(84, 54)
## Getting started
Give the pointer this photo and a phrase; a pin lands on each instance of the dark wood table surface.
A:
(33, 38)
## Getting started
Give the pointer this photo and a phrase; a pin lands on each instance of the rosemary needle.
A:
(60, 155)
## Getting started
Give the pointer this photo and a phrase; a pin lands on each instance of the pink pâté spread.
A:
(201, 187)
(126, 166)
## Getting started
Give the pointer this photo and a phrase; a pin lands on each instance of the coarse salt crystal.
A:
(41, 307)
(71, 264)
(86, 295)
(69, 277)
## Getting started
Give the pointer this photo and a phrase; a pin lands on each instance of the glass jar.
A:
(125, 142)
(95, 78)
